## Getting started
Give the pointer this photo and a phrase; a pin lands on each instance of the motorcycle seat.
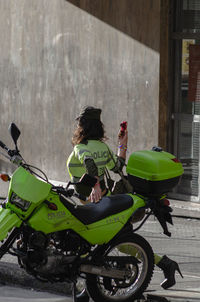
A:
(93, 212)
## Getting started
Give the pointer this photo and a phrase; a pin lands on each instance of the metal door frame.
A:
(175, 81)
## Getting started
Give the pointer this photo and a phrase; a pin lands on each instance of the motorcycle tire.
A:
(109, 289)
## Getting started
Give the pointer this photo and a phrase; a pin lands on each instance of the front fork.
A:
(9, 241)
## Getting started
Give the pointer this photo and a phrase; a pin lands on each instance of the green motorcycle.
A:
(57, 240)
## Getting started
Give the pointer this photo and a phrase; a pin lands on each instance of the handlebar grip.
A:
(3, 146)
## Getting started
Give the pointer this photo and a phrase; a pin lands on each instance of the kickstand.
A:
(74, 296)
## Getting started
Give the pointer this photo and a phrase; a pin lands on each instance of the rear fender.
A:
(8, 220)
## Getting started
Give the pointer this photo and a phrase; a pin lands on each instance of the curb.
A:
(11, 273)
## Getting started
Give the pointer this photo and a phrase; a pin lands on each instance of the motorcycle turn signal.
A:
(5, 177)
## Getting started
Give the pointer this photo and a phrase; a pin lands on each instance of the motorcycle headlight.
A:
(19, 202)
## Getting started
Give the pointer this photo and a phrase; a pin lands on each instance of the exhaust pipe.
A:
(101, 271)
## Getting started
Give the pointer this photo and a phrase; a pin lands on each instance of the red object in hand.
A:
(123, 126)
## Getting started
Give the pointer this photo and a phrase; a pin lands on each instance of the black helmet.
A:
(90, 113)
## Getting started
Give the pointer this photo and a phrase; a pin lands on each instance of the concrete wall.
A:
(57, 56)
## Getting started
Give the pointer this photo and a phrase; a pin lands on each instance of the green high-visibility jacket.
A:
(94, 149)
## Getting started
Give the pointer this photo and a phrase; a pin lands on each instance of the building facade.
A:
(131, 58)
(182, 110)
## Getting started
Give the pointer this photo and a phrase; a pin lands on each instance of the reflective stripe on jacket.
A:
(95, 149)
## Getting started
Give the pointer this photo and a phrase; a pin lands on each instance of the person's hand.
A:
(95, 195)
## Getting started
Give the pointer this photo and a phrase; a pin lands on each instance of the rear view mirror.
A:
(88, 180)
(14, 132)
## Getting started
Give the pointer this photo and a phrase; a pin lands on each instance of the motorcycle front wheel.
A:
(139, 271)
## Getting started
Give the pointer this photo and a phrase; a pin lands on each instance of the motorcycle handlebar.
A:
(13, 155)
(3, 146)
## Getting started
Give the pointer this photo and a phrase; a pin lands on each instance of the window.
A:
(186, 112)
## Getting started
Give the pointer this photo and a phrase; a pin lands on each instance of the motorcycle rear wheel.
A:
(109, 289)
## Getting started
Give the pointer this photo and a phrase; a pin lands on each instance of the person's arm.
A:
(122, 147)
(117, 162)
(92, 170)
(85, 157)
(96, 193)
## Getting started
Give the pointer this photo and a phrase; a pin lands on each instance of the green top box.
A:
(154, 165)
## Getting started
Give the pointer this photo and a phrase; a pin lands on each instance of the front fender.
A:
(8, 220)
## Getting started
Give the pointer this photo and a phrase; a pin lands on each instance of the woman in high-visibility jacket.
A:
(92, 155)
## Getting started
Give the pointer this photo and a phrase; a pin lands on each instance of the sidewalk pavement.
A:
(10, 273)
(185, 210)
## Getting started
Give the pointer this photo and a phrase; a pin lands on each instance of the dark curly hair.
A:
(88, 129)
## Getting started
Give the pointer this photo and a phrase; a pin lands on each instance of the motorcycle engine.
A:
(51, 256)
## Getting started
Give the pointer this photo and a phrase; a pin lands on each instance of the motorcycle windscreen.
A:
(28, 187)
(8, 220)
